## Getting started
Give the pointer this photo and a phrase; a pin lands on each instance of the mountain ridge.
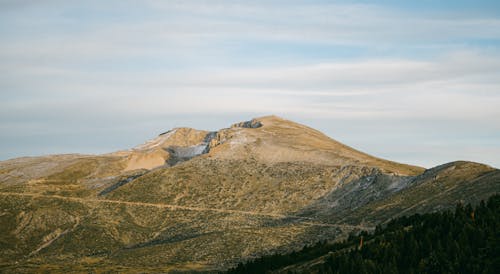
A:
(154, 152)
(205, 200)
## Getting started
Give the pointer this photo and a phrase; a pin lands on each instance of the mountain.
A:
(193, 200)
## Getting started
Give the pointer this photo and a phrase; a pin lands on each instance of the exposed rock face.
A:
(170, 148)
(198, 200)
(254, 123)
(180, 154)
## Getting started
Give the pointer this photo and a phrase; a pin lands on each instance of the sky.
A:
(411, 81)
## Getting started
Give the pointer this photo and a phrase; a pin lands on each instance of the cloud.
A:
(461, 85)
(109, 67)
(174, 30)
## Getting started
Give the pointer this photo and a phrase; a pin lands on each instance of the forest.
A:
(466, 240)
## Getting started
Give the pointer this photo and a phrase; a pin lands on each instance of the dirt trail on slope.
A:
(304, 220)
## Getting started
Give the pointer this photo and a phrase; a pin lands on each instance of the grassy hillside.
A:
(260, 187)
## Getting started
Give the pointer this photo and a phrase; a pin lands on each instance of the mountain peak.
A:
(262, 121)
(268, 139)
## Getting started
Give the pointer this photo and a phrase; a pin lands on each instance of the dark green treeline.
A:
(464, 241)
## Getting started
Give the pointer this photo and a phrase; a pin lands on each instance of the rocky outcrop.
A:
(180, 145)
(254, 123)
(169, 148)
(180, 154)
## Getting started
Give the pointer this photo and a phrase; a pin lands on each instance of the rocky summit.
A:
(193, 200)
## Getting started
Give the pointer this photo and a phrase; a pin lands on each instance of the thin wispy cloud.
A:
(107, 75)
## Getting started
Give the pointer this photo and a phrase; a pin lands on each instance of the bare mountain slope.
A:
(193, 200)
(379, 197)
(279, 140)
(267, 139)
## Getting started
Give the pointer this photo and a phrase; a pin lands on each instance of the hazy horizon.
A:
(417, 83)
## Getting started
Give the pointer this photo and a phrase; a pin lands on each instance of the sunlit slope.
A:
(279, 140)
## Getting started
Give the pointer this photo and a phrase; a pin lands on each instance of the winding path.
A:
(304, 220)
